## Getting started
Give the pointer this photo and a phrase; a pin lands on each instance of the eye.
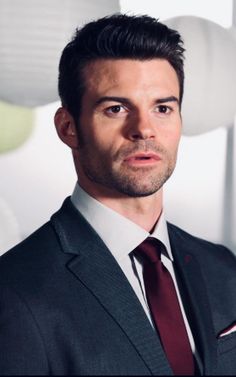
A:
(163, 109)
(115, 110)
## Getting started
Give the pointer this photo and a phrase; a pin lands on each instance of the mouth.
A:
(142, 158)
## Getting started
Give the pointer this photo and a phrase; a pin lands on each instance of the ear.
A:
(66, 128)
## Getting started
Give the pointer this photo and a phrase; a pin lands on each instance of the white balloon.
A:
(210, 71)
(32, 36)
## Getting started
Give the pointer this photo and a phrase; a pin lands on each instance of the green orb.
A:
(16, 124)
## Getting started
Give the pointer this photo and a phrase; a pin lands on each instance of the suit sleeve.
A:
(22, 350)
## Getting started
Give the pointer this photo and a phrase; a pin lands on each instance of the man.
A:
(107, 287)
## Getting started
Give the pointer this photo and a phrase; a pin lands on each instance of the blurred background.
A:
(36, 168)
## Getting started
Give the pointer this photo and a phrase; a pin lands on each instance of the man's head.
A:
(115, 37)
(121, 86)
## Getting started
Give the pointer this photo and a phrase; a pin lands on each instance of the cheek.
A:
(104, 142)
(100, 149)
(174, 146)
(171, 140)
(173, 136)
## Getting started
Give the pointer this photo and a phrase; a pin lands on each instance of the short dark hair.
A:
(118, 36)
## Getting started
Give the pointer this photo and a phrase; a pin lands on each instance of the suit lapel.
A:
(196, 302)
(94, 265)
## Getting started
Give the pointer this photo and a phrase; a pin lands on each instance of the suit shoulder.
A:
(199, 246)
(31, 255)
(38, 237)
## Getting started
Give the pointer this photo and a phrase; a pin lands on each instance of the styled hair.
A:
(118, 36)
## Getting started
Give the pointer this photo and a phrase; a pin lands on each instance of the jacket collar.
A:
(198, 309)
(93, 264)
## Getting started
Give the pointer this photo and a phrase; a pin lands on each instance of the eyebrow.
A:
(125, 100)
(167, 99)
(112, 98)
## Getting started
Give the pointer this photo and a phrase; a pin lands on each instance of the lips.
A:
(142, 157)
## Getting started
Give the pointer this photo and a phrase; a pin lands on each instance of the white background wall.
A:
(38, 176)
(217, 11)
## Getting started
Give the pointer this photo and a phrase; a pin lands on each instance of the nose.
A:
(141, 128)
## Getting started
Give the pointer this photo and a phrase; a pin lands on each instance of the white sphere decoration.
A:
(210, 71)
(32, 36)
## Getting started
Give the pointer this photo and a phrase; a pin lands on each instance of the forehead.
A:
(106, 76)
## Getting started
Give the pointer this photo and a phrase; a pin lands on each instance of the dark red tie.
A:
(164, 307)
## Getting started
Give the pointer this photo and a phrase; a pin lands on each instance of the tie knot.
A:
(149, 250)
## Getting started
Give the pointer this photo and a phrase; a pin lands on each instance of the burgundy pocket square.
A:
(228, 330)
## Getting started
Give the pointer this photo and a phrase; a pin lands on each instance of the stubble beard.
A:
(128, 180)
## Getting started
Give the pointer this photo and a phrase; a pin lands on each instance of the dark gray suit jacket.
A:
(67, 308)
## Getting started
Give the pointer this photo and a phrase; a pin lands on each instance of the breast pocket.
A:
(227, 355)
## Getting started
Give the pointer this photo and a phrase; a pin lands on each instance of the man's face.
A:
(129, 127)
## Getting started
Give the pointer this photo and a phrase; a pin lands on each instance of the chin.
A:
(138, 192)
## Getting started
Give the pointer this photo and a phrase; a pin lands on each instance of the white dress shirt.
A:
(122, 236)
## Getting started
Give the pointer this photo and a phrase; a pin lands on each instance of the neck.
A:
(143, 211)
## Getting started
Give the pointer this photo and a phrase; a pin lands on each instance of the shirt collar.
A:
(119, 234)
